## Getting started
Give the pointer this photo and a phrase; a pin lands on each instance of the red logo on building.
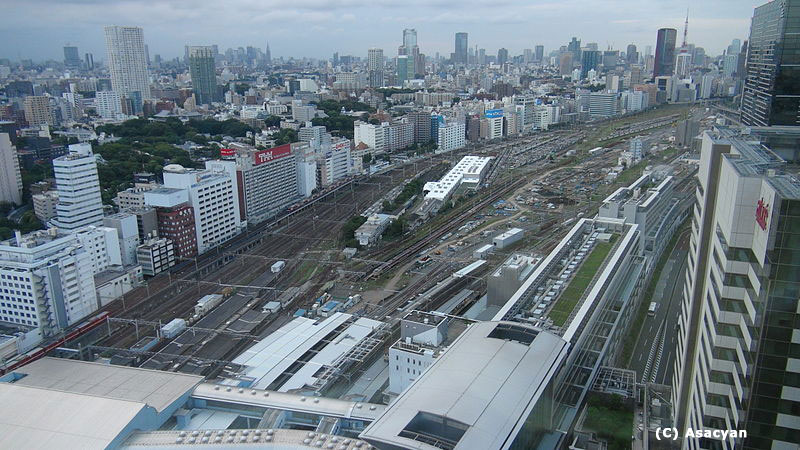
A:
(271, 154)
(762, 214)
(227, 152)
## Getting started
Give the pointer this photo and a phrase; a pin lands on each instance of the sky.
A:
(38, 29)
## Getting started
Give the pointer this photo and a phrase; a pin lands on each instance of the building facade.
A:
(10, 176)
(204, 77)
(127, 62)
(664, 64)
(79, 200)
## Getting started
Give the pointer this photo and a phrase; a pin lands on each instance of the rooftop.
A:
(155, 388)
(477, 394)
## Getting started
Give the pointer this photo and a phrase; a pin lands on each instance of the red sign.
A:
(762, 214)
(227, 152)
(271, 154)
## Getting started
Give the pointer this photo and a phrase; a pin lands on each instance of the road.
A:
(653, 355)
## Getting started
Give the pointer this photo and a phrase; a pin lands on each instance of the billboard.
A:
(493, 113)
(268, 155)
(227, 152)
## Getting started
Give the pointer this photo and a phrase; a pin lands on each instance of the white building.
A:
(421, 338)
(128, 233)
(736, 358)
(47, 281)
(470, 171)
(495, 130)
(373, 136)
(634, 100)
(108, 105)
(336, 163)
(370, 231)
(126, 61)
(269, 178)
(451, 137)
(603, 104)
(102, 244)
(44, 205)
(10, 176)
(213, 195)
(79, 200)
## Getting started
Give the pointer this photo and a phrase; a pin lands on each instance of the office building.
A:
(44, 205)
(771, 93)
(375, 65)
(461, 47)
(421, 123)
(268, 179)
(71, 57)
(126, 61)
(686, 132)
(102, 245)
(603, 104)
(590, 60)
(38, 111)
(502, 56)
(452, 136)
(79, 200)
(565, 64)
(127, 233)
(10, 176)
(52, 281)
(539, 53)
(664, 64)
(214, 196)
(175, 217)
(631, 55)
(204, 76)
(108, 105)
(155, 255)
(736, 362)
(336, 162)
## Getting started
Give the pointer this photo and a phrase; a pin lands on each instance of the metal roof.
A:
(37, 418)
(485, 384)
(155, 388)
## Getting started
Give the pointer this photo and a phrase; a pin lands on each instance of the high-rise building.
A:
(267, 55)
(565, 64)
(38, 111)
(79, 200)
(539, 49)
(52, 280)
(590, 59)
(88, 59)
(375, 66)
(574, 47)
(108, 104)
(736, 362)
(126, 60)
(502, 56)
(665, 52)
(409, 38)
(735, 46)
(204, 77)
(771, 93)
(10, 177)
(631, 55)
(461, 48)
(71, 56)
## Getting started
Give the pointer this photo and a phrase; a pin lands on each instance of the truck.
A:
(278, 266)
(651, 311)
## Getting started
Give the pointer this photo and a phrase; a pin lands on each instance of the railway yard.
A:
(539, 184)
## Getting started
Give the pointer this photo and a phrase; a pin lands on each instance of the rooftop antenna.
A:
(686, 27)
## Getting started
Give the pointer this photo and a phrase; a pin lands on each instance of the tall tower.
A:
(127, 61)
(461, 48)
(204, 77)
(771, 94)
(685, 29)
(79, 200)
(267, 55)
(664, 64)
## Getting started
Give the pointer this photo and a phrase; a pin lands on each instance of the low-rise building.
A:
(44, 205)
(155, 255)
(370, 231)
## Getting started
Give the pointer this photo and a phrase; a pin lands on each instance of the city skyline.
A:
(169, 27)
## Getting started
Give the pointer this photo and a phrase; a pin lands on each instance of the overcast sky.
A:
(38, 29)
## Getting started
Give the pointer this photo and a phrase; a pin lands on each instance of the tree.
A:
(367, 158)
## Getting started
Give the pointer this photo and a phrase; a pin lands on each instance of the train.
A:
(40, 352)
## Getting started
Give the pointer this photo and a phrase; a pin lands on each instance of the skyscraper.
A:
(409, 38)
(574, 47)
(539, 53)
(267, 55)
(79, 200)
(665, 52)
(771, 93)
(10, 177)
(126, 60)
(631, 55)
(590, 59)
(204, 77)
(736, 364)
(71, 56)
(375, 67)
(461, 48)
(502, 56)
(38, 111)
